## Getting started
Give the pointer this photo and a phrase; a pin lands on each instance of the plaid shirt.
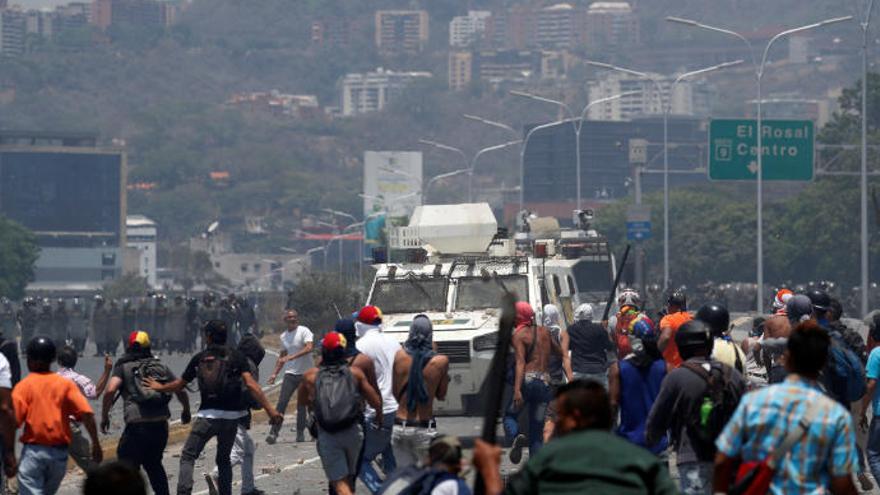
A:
(83, 382)
(762, 420)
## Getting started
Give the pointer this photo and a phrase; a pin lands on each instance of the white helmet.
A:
(629, 297)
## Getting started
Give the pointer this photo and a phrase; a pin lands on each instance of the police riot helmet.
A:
(716, 317)
(678, 299)
(41, 349)
(820, 299)
(692, 337)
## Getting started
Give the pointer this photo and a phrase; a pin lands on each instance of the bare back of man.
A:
(533, 347)
(365, 364)
(436, 376)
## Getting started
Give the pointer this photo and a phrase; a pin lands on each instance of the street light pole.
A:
(470, 164)
(759, 74)
(666, 107)
(865, 24)
(577, 123)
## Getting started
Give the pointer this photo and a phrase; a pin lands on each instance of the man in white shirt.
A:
(7, 422)
(381, 349)
(296, 358)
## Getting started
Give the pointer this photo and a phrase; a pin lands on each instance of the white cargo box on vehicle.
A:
(449, 229)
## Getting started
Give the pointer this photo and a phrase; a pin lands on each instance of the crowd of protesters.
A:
(600, 406)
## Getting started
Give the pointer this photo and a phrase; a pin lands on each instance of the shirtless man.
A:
(420, 376)
(339, 449)
(532, 346)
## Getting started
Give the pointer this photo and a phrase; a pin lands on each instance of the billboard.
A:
(392, 182)
(70, 192)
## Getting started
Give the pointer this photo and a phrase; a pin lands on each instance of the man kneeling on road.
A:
(220, 371)
(334, 392)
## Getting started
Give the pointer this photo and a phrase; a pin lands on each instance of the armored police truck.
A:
(456, 264)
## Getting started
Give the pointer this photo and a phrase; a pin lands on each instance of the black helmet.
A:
(677, 298)
(41, 349)
(691, 337)
(716, 317)
(820, 299)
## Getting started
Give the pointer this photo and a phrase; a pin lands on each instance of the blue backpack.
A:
(847, 375)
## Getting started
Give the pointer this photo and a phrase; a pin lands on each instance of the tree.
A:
(318, 296)
(128, 286)
(18, 254)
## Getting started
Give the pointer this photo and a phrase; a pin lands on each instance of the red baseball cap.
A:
(371, 315)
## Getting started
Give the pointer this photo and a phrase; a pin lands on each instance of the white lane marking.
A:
(264, 476)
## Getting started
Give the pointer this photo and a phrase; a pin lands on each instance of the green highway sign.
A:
(788, 149)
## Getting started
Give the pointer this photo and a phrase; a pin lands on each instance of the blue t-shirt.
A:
(638, 391)
(873, 372)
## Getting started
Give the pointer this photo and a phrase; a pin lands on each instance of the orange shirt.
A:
(673, 321)
(43, 403)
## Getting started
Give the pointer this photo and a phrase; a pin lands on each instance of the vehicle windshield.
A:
(593, 276)
(475, 293)
(410, 295)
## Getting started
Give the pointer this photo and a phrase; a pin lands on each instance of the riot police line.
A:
(174, 321)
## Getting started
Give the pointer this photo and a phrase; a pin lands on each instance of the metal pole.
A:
(760, 193)
(666, 193)
(864, 166)
(577, 161)
(637, 181)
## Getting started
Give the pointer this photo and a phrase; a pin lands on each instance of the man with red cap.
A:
(145, 413)
(334, 392)
(532, 347)
(381, 349)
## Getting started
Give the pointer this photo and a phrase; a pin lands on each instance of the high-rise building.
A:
(144, 13)
(13, 27)
(330, 32)
(558, 26)
(687, 98)
(467, 30)
(401, 31)
(72, 195)
(611, 24)
(460, 69)
(371, 91)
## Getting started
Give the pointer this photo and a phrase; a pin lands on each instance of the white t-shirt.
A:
(294, 342)
(381, 349)
(5, 373)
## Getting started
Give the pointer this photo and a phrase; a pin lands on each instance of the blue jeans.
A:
(377, 441)
(872, 450)
(536, 395)
(41, 469)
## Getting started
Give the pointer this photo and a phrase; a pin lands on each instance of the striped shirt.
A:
(82, 382)
(765, 416)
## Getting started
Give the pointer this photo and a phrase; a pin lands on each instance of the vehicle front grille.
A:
(457, 351)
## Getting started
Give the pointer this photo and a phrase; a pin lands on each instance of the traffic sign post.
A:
(788, 149)
(638, 223)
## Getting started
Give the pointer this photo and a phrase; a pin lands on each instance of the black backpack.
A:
(217, 380)
(414, 480)
(714, 408)
(338, 402)
(134, 373)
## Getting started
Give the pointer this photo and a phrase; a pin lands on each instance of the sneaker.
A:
(255, 491)
(867, 486)
(300, 438)
(271, 439)
(212, 484)
(516, 448)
